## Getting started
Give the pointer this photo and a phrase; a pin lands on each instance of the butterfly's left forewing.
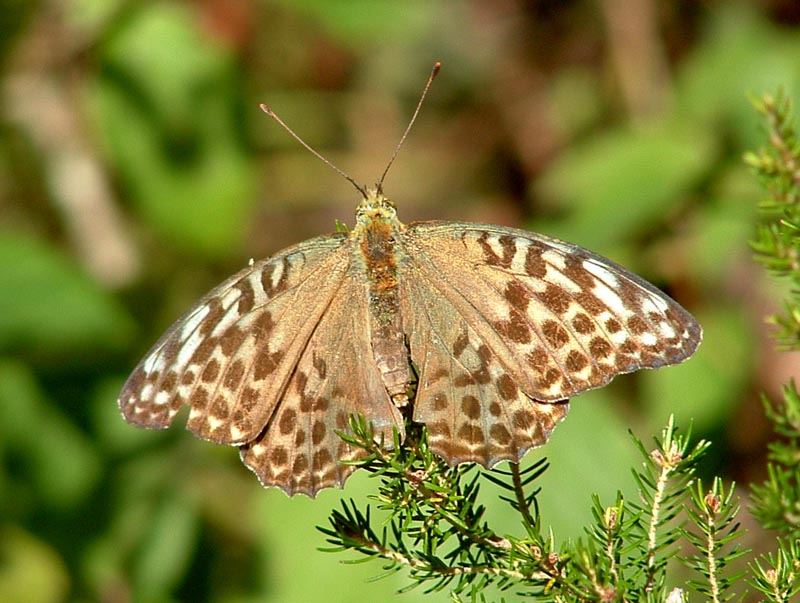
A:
(229, 358)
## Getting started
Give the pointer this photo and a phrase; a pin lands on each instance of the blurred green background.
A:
(136, 172)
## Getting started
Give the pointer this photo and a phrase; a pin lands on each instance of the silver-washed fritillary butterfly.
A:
(499, 327)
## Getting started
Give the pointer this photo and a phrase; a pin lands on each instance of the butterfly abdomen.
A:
(377, 257)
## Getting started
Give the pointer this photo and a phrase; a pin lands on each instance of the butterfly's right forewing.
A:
(505, 326)
(560, 319)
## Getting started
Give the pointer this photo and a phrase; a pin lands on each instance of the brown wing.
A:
(231, 356)
(275, 360)
(520, 320)
(336, 376)
(472, 407)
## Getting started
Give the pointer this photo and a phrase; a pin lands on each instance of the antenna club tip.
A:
(265, 109)
(436, 67)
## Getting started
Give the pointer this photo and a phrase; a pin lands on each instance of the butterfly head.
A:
(375, 207)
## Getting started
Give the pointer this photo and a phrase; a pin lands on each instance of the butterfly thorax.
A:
(377, 256)
(375, 245)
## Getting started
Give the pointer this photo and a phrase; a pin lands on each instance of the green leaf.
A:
(112, 432)
(47, 304)
(165, 554)
(354, 21)
(167, 117)
(721, 228)
(625, 182)
(591, 447)
(740, 53)
(701, 390)
(32, 570)
(59, 458)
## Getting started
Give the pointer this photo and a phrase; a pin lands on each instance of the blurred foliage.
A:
(136, 171)
(776, 501)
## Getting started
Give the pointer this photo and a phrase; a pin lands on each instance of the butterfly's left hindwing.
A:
(335, 377)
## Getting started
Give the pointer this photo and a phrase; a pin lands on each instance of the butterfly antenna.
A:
(308, 147)
(434, 72)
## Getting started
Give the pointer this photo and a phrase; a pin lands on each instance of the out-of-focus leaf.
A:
(354, 21)
(167, 116)
(47, 304)
(111, 430)
(31, 571)
(701, 390)
(722, 228)
(13, 18)
(292, 549)
(164, 556)
(59, 458)
(89, 15)
(574, 100)
(152, 530)
(159, 50)
(623, 182)
(590, 452)
(739, 54)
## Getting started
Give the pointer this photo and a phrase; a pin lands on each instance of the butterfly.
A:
(483, 333)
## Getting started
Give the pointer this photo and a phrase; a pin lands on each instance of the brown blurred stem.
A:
(637, 55)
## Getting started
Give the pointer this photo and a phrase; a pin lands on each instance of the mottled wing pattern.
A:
(507, 323)
(503, 327)
(335, 377)
(473, 408)
(231, 356)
